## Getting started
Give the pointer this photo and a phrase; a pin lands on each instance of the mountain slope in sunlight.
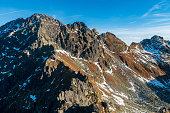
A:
(47, 66)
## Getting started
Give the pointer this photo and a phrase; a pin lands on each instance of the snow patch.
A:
(97, 64)
(132, 88)
(109, 71)
(52, 60)
(10, 74)
(142, 79)
(52, 81)
(68, 54)
(48, 90)
(107, 88)
(16, 48)
(155, 82)
(4, 73)
(33, 97)
(28, 107)
(119, 100)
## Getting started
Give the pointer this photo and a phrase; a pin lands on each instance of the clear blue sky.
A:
(129, 20)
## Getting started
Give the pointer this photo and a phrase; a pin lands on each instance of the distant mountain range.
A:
(47, 66)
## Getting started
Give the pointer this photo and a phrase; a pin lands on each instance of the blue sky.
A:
(129, 20)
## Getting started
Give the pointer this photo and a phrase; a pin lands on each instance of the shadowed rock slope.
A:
(47, 66)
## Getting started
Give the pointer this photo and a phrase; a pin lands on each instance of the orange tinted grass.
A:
(68, 62)
(92, 67)
(111, 79)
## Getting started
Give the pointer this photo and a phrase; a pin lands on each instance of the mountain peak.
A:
(155, 45)
(39, 15)
(156, 37)
(47, 66)
(80, 24)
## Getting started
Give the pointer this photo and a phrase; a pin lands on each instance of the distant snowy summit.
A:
(156, 45)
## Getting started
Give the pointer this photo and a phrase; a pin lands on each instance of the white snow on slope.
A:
(119, 100)
(33, 97)
(97, 64)
(116, 95)
(156, 83)
(132, 87)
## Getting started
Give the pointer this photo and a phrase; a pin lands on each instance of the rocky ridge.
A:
(48, 66)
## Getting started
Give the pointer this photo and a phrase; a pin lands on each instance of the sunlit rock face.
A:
(47, 66)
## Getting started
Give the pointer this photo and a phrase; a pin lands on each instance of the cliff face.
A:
(47, 66)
